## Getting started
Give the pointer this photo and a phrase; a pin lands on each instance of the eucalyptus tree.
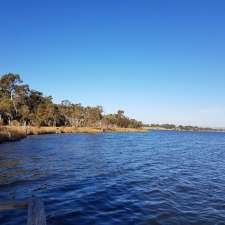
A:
(30, 107)
(8, 85)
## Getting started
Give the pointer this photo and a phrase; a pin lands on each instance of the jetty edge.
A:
(35, 209)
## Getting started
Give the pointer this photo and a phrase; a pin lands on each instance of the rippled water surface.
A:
(118, 178)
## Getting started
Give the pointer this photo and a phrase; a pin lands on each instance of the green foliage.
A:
(120, 120)
(24, 106)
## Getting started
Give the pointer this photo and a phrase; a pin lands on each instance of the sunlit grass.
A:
(12, 133)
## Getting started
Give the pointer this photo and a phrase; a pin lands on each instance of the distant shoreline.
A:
(191, 130)
(15, 133)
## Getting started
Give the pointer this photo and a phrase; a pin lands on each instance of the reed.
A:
(120, 129)
(13, 133)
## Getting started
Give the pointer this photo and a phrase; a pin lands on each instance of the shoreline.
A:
(16, 133)
(183, 130)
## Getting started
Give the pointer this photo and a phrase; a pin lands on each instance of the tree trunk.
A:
(14, 104)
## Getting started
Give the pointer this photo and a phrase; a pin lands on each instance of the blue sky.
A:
(161, 61)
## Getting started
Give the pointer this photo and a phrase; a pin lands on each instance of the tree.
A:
(8, 85)
(6, 110)
(26, 106)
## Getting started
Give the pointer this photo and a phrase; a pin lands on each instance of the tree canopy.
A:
(21, 105)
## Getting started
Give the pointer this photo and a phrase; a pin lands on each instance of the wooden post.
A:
(36, 212)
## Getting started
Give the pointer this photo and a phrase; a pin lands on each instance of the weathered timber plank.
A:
(36, 212)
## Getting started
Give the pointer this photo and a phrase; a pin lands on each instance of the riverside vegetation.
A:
(24, 111)
(182, 128)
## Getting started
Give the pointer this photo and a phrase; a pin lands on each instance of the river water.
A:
(157, 177)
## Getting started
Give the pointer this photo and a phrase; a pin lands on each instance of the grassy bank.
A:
(13, 133)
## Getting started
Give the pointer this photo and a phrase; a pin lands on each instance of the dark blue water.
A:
(118, 178)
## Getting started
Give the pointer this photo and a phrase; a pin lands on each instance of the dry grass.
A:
(55, 130)
(58, 130)
(13, 133)
(80, 130)
(125, 130)
(42, 130)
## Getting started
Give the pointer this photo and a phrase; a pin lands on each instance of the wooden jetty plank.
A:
(36, 212)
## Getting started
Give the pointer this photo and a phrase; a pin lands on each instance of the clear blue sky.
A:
(161, 61)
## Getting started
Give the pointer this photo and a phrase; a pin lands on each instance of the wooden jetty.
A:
(36, 210)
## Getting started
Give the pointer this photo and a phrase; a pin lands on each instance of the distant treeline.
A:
(182, 128)
(21, 105)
